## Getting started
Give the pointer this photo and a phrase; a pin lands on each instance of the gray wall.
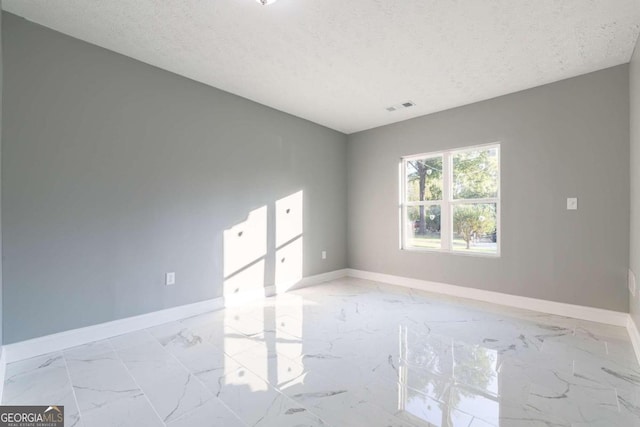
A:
(634, 235)
(570, 138)
(115, 172)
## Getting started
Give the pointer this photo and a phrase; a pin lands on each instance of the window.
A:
(451, 201)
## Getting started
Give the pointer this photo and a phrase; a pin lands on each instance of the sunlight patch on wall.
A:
(289, 265)
(249, 279)
(289, 241)
(289, 216)
(245, 246)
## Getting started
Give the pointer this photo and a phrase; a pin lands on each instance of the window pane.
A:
(423, 227)
(475, 228)
(424, 179)
(475, 174)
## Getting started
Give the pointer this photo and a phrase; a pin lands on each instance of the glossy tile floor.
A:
(346, 353)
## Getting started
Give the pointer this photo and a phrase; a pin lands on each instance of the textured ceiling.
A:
(340, 63)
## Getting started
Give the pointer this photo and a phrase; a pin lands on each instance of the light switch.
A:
(572, 204)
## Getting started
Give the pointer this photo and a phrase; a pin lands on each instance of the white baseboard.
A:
(632, 329)
(238, 299)
(610, 317)
(55, 342)
(320, 278)
(59, 341)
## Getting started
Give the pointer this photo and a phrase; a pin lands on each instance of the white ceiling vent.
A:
(402, 106)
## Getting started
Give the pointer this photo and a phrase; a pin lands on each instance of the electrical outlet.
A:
(324, 254)
(632, 283)
(572, 204)
(170, 279)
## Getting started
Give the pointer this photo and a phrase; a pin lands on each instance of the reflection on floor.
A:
(347, 353)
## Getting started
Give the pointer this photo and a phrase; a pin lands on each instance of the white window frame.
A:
(447, 203)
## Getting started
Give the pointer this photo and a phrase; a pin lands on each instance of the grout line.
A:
(135, 381)
(273, 386)
(73, 390)
(213, 396)
(249, 350)
(227, 355)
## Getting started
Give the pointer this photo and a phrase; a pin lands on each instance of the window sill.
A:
(445, 252)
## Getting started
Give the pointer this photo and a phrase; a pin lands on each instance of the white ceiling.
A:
(340, 63)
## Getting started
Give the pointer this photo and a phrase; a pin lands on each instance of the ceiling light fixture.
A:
(266, 2)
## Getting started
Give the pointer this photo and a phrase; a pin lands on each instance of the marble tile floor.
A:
(345, 353)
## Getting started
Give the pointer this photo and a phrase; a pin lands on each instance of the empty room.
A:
(291, 213)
